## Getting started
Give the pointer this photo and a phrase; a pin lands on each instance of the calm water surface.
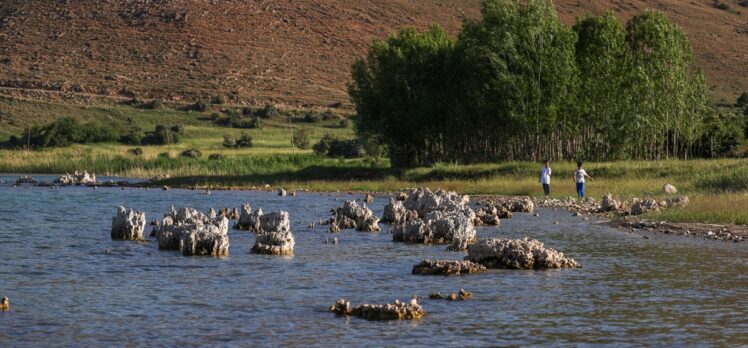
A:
(71, 285)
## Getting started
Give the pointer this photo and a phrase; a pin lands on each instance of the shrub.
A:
(323, 146)
(164, 155)
(743, 3)
(244, 141)
(218, 100)
(98, 132)
(228, 141)
(312, 117)
(344, 123)
(177, 128)
(201, 105)
(66, 131)
(268, 111)
(346, 149)
(237, 121)
(328, 115)
(155, 104)
(721, 5)
(136, 151)
(133, 137)
(192, 153)
(248, 112)
(301, 138)
(215, 116)
(161, 136)
(743, 99)
(215, 156)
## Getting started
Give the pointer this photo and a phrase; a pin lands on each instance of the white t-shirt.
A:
(545, 175)
(579, 176)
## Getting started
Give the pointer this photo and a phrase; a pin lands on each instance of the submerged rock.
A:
(193, 233)
(274, 243)
(77, 178)
(447, 267)
(488, 215)
(25, 179)
(128, 224)
(517, 254)
(363, 218)
(282, 192)
(391, 311)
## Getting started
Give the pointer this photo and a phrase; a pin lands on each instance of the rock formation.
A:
(437, 227)
(447, 267)
(128, 224)
(77, 178)
(193, 233)
(680, 201)
(610, 204)
(274, 243)
(391, 311)
(25, 179)
(517, 254)
(363, 218)
(641, 206)
(395, 212)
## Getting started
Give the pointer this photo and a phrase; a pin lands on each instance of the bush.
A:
(344, 123)
(301, 138)
(133, 137)
(328, 115)
(312, 117)
(743, 3)
(721, 5)
(346, 149)
(218, 100)
(136, 151)
(177, 128)
(164, 155)
(243, 122)
(215, 156)
(248, 112)
(323, 146)
(67, 131)
(161, 136)
(215, 116)
(201, 105)
(268, 111)
(192, 153)
(228, 141)
(244, 141)
(155, 104)
(743, 99)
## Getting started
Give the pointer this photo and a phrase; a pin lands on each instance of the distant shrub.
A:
(346, 149)
(248, 112)
(67, 131)
(163, 135)
(177, 128)
(192, 153)
(164, 155)
(238, 121)
(344, 123)
(323, 146)
(743, 3)
(228, 141)
(201, 105)
(133, 137)
(301, 138)
(268, 111)
(742, 99)
(155, 104)
(328, 115)
(721, 5)
(218, 100)
(215, 116)
(312, 117)
(337, 105)
(215, 156)
(244, 141)
(136, 151)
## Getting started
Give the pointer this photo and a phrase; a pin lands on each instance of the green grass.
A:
(718, 188)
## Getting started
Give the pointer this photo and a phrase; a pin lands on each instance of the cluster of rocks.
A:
(447, 267)
(612, 206)
(424, 216)
(273, 230)
(352, 215)
(25, 179)
(462, 295)
(193, 233)
(391, 311)
(128, 224)
(517, 254)
(505, 206)
(230, 213)
(77, 178)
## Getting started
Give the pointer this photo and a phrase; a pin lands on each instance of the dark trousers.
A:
(547, 189)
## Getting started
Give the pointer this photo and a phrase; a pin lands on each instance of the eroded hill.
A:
(295, 52)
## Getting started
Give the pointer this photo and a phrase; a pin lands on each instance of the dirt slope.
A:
(296, 52)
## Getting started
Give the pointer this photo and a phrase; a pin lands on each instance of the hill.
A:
(296, 53)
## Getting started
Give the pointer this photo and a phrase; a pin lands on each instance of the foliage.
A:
(268, 111)
(162, 135)
(192, 153)
(301, 138)
(215, 156)
(742, 100)
(155, 104)
(218, 99)
(244, 141)
(312, 117)
(519, 84)
(332, 147)
(201, 105)
(67, 131)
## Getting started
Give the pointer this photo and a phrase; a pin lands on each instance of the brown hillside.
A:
(296, 52)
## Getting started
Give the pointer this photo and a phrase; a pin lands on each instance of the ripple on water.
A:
(70, 284)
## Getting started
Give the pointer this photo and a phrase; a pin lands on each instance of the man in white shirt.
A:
(579, 176)
(545, 177)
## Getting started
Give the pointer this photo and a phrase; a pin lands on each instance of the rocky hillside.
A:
(295, 52)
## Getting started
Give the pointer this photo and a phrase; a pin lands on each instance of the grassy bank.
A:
(718, 188)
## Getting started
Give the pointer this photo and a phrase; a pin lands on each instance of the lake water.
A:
(71, 285)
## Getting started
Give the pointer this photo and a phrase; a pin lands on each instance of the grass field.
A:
(718, 188)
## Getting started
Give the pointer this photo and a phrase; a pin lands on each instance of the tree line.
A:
(517, 84)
